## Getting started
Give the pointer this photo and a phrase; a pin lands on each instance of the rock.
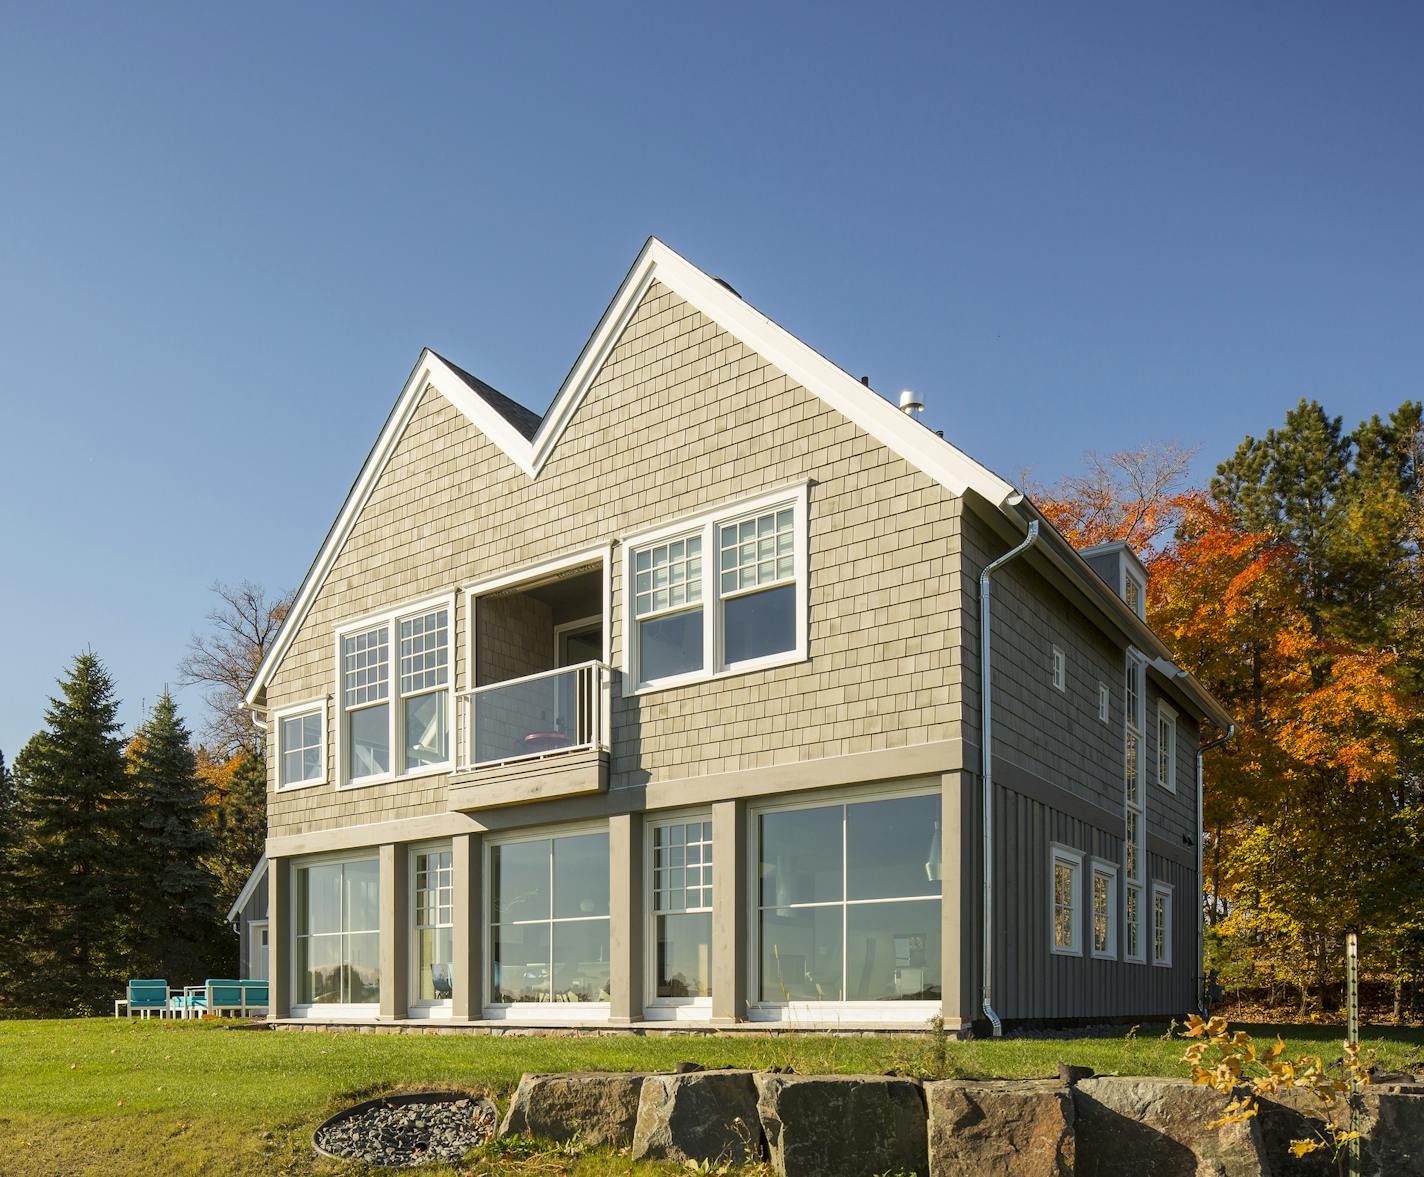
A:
(1070, 1074)
(686, 1068)
(1391, 1120)
(592, 1107)
(701, 1116)
(1158, 1128)
(407, 1130)
(850, 1125)
(1000, 1128)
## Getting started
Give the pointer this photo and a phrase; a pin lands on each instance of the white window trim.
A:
(705, 525)
(1104, 702)
(1104, 870)
(325, 1011)
(441, 1007)
(693, 1008)
(1128, 576)
(533, 1011)
(1164, 890)
(389, 618)
(1144, 923)
(916, 1012)
(1058, 670)
(1167, 713)
(311, 706)
(1058, 853)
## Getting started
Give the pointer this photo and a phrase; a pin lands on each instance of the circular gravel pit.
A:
(402, 1131)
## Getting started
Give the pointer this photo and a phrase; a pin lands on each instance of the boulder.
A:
(1000, 1128)
(1391, 1119)
(698, 1116)
(850, 1125)
(1158, 1128)
(595, 1108)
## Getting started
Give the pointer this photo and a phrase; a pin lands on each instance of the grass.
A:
(101, 1096)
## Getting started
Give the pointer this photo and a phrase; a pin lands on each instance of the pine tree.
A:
(170, 846)
(72, 902)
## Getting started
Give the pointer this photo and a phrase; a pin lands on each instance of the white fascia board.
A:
(259, 872)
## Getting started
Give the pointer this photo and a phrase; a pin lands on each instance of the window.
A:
(719, 595)
(1060, 670)
(682, 909)
(1166, 747)
(1066, 867)
(1133, 898)
(433, 922)
(1134, 805)
(549, 920)
(1105, 910)
(405, 707)
(301, 745)
(1161, 924)
(848, 902)
(338, 939)
(1134, 592)
(1104, 701)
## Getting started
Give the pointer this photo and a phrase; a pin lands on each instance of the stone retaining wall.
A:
(863, 1125)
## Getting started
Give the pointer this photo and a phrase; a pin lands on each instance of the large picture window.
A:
(549, 920)
(848, 906)
(395, 694)
(337, 933)
(682, 909)
(719, 595)
(433, 924)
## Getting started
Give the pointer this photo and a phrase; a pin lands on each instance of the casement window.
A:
(432, 925)
(548, 919)
(301, 745)
(681, 862)
(1104, 910)
(1059, 670)
(1066, 881)
(1104, 702)
(336, 924)
(722, 594)
(848, 901)
(1161, 924)
(395, 700)
(1166, 747)
(1132, 900)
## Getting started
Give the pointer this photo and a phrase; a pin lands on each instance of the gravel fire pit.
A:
(401, 1131)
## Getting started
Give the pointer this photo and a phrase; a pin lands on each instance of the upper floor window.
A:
(1060, 670)
(1134, 592)
(395, 694)
(301, 745)
(719, 595)
(1104, 701)
(1166, 747)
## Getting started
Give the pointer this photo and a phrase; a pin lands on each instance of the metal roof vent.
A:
(911, 405)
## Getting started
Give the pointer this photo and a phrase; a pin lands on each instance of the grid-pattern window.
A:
(424, 651)
(1104, 701)
(366, 658)
(1161, 924)
(1104, 910)
(1166, 748)
(682, 909)
(299, 748)
(434, 923)
(758, 552)
(1059, 670)
(1134, 816)
(1133, 900)
(669, 576)
(1067, 867)
(1134, 593)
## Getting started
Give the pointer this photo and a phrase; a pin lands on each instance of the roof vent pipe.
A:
(986, 716)
(911, 405)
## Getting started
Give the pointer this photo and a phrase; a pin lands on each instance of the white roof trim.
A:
(917, 444)
(259, 872)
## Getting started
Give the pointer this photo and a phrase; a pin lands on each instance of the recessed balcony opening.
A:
(541, 683)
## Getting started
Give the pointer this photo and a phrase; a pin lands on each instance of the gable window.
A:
(394, 675)
(1161, 924)
(1104, 701)
(722, 594)
(1066, 871)
(1134, 592)
(301, 745)
(1166, 747)
(1105, 910)
(1060, 670)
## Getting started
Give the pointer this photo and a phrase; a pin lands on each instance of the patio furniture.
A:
(145, 997)
(441, 982)
(218, 996)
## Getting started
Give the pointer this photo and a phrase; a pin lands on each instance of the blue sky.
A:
(227, 231)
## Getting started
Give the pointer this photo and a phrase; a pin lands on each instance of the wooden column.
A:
(395, 931)
(627, 932)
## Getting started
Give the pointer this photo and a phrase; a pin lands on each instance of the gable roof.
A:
(258, 876)
(529, 440)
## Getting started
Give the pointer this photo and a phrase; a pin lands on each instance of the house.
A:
(668, 706)
(248, 918)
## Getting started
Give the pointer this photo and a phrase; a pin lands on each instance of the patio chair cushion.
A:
(148, 994)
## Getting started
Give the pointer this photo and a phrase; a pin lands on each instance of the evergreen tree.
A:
(72, 904)
(170, 845)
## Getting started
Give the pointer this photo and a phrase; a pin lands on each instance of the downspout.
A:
(987, 775)
(1202, 750)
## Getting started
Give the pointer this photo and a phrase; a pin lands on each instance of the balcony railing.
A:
(545, 714)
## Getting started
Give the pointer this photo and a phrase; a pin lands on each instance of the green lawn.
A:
(116, 1097)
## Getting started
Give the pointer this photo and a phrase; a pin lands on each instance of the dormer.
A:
(1119, 566)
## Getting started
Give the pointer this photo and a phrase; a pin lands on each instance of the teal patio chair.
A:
(147, 997)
